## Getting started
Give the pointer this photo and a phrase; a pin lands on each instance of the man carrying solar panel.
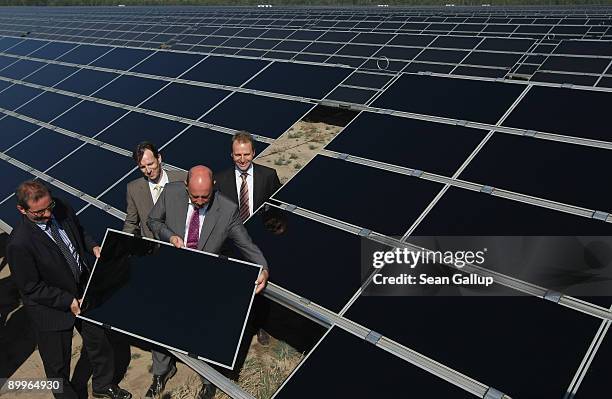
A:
(192, 214)
(47, 254)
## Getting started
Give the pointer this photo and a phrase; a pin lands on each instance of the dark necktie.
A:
(72, 262)
(193, 234)
(244, 198)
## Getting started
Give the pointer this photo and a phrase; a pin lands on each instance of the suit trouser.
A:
(162, 362)
(55, 348)
(261, 312)
(122, 356)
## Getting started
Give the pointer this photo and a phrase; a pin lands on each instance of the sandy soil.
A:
(296, 147)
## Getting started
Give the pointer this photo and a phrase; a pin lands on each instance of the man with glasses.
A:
(142, 194)
(46, 253)
(193, 215)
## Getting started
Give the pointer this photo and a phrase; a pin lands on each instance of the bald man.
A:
(186, 213)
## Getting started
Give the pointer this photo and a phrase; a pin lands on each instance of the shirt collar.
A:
(249, 171)
(204, 208)
(162, 181)
(44, 225)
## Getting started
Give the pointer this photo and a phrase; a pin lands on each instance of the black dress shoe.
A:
(206, 392)
(159, 383)
(113, 392)
(263, 337)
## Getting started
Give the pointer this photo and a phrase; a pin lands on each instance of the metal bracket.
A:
(487, 189)
(373, 337)
(365, 232)
(553, 296)
(599, 215)
(461, 123)
(304, 301)
(529, 133)
(290, 207)
(343, 156)
(416, 173)
(493, 393)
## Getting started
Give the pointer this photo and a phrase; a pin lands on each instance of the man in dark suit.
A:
(249, 185)
(142, 194)
(192, 214)
(46, 253)
(245, 183)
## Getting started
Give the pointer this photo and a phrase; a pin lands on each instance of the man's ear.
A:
(21, 209)
(159, 158)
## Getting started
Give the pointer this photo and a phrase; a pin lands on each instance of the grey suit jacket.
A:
(222, 221)
(140, 203)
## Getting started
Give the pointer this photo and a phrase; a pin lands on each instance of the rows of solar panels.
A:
(548, 47)
(427, 155)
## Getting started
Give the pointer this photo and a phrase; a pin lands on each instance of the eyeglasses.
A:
(41, 212)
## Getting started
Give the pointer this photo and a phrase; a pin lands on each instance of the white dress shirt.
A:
(249, 180)
(190, 210)
(162, 182)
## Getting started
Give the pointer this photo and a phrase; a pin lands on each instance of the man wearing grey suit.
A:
(187, 214)
(194, 215)
(142, 194)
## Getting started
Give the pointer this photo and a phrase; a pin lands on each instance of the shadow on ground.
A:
(17, 340)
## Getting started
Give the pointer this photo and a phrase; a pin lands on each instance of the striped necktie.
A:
(245, 212)
(65, 250)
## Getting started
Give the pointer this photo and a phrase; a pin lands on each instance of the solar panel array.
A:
(470, 122)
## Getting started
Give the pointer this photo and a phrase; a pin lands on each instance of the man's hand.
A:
(262, 280)
(75, 307)
(96, 251)
(177, 241)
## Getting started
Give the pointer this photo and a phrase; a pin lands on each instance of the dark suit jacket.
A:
(222, 221)
(265, 183)
(42, 275)
(140, 203)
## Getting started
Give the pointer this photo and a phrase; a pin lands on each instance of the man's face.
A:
(243, 154)
(38, 211)
(200, 193)
(150, 166)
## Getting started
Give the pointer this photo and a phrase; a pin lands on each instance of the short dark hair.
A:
(141, 148)
(31, 190)
(243, 137)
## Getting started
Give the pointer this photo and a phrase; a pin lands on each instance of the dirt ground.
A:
(296, 147)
